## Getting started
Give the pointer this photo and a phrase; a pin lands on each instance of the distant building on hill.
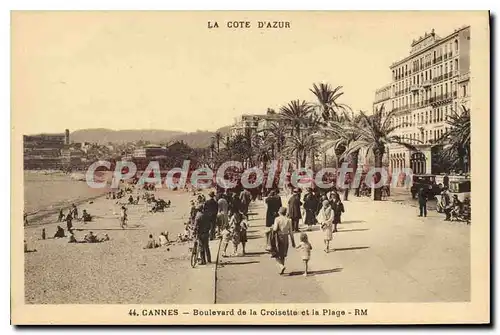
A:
(43, 151)
(149, 151)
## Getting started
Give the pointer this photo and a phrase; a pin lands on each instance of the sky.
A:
(168, 70)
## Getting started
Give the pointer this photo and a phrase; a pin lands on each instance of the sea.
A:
(45, 192)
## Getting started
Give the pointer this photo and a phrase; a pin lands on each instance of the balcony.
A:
(463, 77)
(427, 83)
(415, 88)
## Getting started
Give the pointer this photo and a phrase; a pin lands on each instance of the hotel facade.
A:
(427, 86)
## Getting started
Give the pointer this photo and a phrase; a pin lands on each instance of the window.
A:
(464, 90)
(456, 45)
(456, 64)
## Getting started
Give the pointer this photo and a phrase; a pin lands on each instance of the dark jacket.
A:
(422, 196)
(273, 205)
(294, 205)
(202, 223)
(211, 207)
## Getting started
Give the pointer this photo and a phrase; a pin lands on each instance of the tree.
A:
(217, 139)
(296, 114)
(375, 133)
(327, 99)
(300, 145)
(456, 140)
(338, 135)
(276, 136)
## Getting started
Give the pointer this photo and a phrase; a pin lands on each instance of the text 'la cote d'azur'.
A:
(249, 24)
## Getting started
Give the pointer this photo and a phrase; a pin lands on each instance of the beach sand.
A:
(118, 271)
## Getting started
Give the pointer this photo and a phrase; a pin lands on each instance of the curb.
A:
(215, 272)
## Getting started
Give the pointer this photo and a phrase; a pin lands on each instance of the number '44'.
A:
(132, 312)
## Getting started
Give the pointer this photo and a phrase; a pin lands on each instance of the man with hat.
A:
(202, 231)
(294, 212)
(211, 208)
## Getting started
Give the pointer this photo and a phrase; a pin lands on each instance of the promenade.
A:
(383, 253)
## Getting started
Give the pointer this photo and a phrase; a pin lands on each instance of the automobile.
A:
(424, 180)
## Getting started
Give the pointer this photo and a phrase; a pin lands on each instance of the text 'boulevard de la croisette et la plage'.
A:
(242, 24)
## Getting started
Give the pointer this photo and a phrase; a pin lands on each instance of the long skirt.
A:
(310, 218)
(281, 245)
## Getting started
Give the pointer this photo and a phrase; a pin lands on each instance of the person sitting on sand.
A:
(104, 238)
(86, 216)
(131, 200)
(163, 239)
(151, 244)
(59, 233)
(90, 238)
(72, 238)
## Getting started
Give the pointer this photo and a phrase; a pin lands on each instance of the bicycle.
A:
(194, 253)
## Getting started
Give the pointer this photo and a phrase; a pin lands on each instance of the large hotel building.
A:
(427, 85)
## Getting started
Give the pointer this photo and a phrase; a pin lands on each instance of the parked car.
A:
(424, 181)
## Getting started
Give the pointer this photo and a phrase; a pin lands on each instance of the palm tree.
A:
(339, 135)
(375, 132)
(277, 136)
(300, 146)
(296, 114)
(456, 140)
(327, 99)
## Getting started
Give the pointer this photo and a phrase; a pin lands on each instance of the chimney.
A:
(66, 137)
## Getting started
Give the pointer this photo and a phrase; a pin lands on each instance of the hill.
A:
(196, 139)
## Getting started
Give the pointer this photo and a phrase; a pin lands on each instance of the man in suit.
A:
(211, 208)
(294, 212)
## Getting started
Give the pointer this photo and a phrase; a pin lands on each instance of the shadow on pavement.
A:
(92, 229)
(347, 230)
(352, 221)
(350, 248)
(256, 253)
(239, 263)
(315, 273)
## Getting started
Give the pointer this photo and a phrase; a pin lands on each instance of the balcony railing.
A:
(414, 87)
(427, 83)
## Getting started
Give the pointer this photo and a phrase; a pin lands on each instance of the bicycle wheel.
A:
(194, 255)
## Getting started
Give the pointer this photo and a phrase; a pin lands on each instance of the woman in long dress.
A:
(310, 206)
(325, 219)
(273, 203)
(338, 209)
(282, 229)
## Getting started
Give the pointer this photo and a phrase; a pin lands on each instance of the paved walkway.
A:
(384, 253)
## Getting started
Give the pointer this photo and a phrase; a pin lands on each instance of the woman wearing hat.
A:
(325, 219)
(282, 229)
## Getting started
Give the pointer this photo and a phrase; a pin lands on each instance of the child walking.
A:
(226, 237)
(305, 250)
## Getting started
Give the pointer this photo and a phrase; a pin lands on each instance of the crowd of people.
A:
(222, 215)
(323, 209)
